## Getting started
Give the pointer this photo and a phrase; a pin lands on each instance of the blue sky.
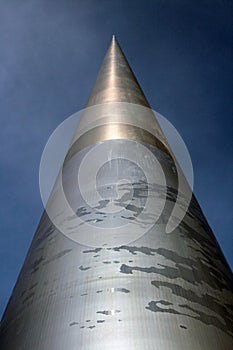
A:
(181, 52)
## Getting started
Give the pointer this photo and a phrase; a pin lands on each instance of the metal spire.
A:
(116, 81)
(120, 282)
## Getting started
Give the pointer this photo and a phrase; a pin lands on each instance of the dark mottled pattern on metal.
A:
(204, 270)
(201, 316)
(84, 268)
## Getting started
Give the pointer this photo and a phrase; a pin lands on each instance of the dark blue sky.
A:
(181, 52)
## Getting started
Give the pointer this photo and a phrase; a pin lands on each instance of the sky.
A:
(181, 53)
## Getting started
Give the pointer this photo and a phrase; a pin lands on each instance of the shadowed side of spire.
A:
(116, 81)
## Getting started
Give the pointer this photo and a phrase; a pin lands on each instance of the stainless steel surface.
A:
(114, 132)
(115, 81)
(159, 292)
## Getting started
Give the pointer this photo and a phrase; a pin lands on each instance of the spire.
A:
(116, 81)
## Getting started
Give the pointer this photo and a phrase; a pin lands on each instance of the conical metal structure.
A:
(112, 277)
(116, 81)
